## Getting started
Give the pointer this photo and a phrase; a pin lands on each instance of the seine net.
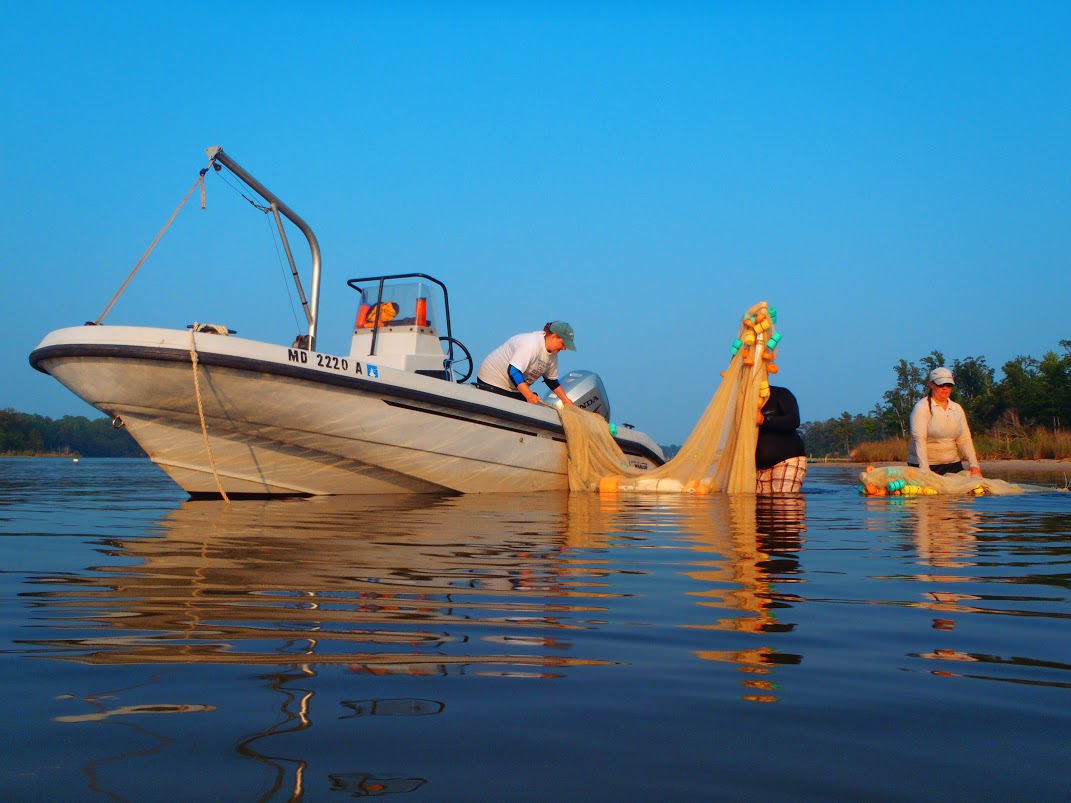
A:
(911, 481)
(718, 456)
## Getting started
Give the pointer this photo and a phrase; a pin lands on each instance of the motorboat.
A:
(228, 416)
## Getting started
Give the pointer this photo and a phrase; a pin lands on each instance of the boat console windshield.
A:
(403, 321)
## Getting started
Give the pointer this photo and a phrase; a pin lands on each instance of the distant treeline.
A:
(27, 434)
(1021, 415)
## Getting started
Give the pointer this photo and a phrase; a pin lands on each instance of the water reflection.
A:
(365, 784)
(459, 647)
(756, 544)
(748, 551)
(288, 774)
(942, 537)
(491, 586)
(969, 557)
(998, 662)
(410, 585)
(151, 743)
(404, 585)
(946, 532)
(946, 538)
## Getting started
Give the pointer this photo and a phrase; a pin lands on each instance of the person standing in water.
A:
(780, 456)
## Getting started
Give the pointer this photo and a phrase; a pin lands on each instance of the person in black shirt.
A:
(780, 456)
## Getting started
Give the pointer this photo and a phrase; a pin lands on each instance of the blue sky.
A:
(893, 177)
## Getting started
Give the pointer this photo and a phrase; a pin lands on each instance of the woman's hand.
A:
(528, 393)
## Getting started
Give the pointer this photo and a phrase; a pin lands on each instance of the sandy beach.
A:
(996, 467)
(1062, 466)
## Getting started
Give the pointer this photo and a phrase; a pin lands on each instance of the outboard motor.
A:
(586, 390)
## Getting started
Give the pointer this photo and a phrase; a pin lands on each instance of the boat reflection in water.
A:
(383, 587)
(419, 587)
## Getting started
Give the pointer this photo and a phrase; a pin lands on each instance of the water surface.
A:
(531, 647)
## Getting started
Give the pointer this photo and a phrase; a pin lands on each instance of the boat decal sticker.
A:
(297, 355)
(372, 372)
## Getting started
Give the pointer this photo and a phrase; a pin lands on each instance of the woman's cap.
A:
(565, 332)
(942, 376)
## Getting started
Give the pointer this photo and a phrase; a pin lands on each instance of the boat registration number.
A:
(324, 361)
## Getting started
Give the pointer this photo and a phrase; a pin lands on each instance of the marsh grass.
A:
(1035, 444)
(998, 444)
(893, 450)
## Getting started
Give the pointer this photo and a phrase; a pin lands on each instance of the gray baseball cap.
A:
(565, 332)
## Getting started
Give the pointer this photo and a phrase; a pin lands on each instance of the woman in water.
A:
(940, 437)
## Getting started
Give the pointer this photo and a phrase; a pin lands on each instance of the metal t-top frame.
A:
(217, 157)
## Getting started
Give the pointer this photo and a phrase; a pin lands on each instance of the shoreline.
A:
(1048, 464)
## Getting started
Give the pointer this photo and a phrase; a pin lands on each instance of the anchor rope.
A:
(201, 414)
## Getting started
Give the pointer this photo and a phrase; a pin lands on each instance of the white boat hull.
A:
(281, 421)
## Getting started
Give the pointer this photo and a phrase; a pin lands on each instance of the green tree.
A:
(34, 442)
(935, 359)
(974, 390)
(25, 433)
(1019, 391)
(1055, 376)
(902, 397)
